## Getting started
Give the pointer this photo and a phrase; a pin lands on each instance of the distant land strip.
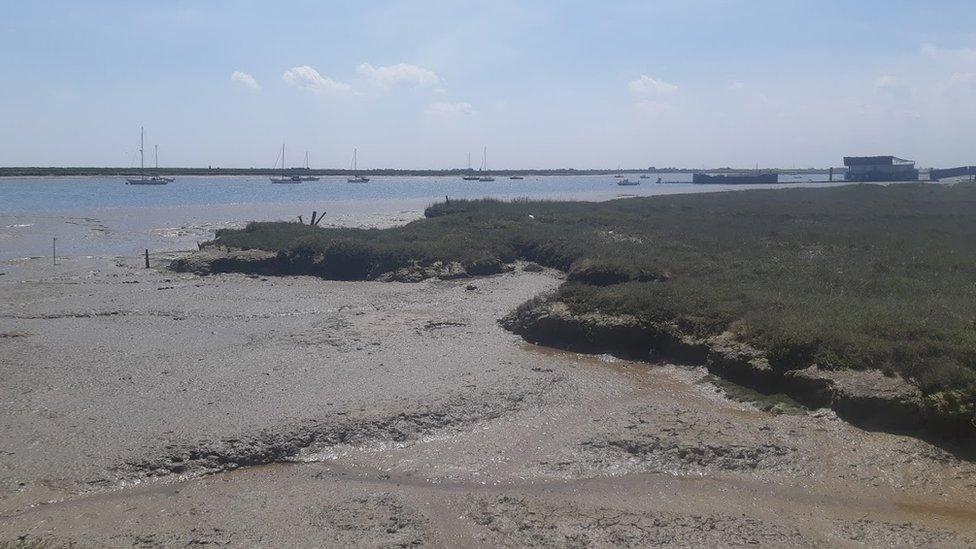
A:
(69, 171)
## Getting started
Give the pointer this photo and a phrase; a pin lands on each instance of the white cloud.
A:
(737, 86)
(400, 74)
(245, 79)
(450, 109)
(308, 78)
(645, 85)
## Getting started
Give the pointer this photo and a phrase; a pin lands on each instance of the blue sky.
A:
(419, 84)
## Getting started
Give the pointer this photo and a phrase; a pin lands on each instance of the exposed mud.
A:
(519, 522)
(306, 442)
(303, 412)
(377, 520)
(865, 398)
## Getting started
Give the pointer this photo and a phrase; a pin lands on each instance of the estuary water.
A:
(98, 216)
(44, 194)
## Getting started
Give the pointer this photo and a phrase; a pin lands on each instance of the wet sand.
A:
(149, 408)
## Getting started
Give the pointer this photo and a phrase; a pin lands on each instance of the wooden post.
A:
(300, 220)
(312, 222)
(831, 174)
(147, 258)
(54, 251)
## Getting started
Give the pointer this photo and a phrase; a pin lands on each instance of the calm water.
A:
(102, 216)
(40, 194)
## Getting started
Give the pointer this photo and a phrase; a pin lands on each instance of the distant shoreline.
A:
(89, 171)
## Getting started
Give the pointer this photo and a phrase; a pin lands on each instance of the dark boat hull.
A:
(751, 179)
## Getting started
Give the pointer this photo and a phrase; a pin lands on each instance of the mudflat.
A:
(151, 408)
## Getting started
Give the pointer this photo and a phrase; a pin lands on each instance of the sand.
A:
(149, 408)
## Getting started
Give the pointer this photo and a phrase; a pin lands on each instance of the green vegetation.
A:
(856, 277)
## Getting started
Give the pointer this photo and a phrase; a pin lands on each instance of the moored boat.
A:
(470, 175)
(482, 176)
(284, 178)
(756, 178)
(356, 178)
(153, 179)
(308, 177)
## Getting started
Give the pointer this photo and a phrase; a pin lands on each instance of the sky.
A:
(540, 84)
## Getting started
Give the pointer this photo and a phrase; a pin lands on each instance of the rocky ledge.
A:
(868, 399)
(214, 260)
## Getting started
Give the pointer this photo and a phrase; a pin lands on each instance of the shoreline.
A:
(129, 229)
(303, 411)
(406, 401)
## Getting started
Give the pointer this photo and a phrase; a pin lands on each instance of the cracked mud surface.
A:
(151, 409)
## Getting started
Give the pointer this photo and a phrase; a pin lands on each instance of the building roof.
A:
(875, 161)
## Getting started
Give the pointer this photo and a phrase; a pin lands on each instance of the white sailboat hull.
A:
(148, 181)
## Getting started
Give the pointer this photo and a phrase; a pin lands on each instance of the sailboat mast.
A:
(142, 156)
(469, 161)
(355, 164)
(282, 159)
(306, 160)
(156, 155)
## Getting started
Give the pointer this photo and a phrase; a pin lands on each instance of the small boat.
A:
(153, 179)
(156, 176)
(355, 167)
(308, 177)
(484, 167)
(470, 173)
(618, 176)
(626, 181)
(644, 176)
(516, 177)
(292, 179)
(285, 178)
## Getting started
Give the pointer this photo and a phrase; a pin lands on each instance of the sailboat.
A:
(308, 177)
(484, 166)
(470, 176)
(142, 179)
(156, 164)
(285, 178)
(355, 167)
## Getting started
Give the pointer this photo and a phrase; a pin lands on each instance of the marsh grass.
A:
(859, 277)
